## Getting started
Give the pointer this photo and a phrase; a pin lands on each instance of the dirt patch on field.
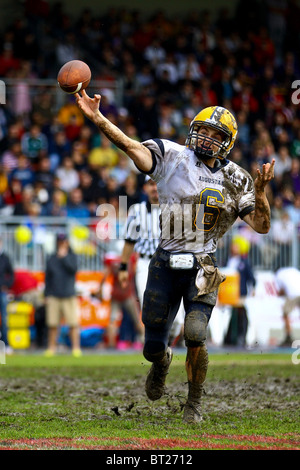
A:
(76, 400)
(119, 398)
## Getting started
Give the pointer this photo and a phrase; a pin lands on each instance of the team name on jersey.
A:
(207, 179)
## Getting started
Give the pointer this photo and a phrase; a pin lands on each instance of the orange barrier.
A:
(229, 290)
(92, 312)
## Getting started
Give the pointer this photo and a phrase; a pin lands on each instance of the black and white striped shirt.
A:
(143, 227)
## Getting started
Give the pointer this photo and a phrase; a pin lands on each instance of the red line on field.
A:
(205, 441)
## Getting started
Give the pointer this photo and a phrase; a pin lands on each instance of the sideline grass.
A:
(101, 397)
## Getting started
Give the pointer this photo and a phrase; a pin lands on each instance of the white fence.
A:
(28, 242)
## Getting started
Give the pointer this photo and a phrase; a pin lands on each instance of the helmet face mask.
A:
(207, 147)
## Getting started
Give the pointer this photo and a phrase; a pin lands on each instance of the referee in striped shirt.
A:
(142, 236)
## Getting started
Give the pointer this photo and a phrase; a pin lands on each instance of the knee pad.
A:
(195, 326)
(155, 311)
(154, 350)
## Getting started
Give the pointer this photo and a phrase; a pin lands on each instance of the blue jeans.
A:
(3, 313)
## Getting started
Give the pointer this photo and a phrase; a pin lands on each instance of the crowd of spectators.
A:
(164, 70)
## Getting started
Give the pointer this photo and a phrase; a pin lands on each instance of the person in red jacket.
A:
(122, 298)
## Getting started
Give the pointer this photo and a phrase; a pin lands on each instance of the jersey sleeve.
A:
(163, 152)
(246, 203)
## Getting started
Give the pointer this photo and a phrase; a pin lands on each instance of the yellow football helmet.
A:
(218, 118)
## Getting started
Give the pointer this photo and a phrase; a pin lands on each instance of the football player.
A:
(201, 194)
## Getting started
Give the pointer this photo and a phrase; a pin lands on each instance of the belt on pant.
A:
(165, 255)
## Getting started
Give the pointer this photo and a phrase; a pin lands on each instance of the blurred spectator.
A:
(76, 207)
(294, 210)
(107, 106)
(59, 147)
(238, 156)
(23, 172)
(129, 85)
(130, 190)
(90, 190)
(207, 95)
(169, 120)
(287, 281)
(43, 109)
(71, 118)
(238, 262)
(122, 169)
(67, 49)
(22, 102)
(83, 142)
(10, 156)
(3, 184)
(60, 294)
(110, 189)
(145, 115)
(155, 53)
(245, 100)
(44, 174)
(264, 50)
(295, 145)
(121, 298)
(189, 68)
(277, 208)
(104, 155)
(22, 207)
(291, 176)
(282, 232)
(67, 175)
(34, 144)
(283, 161)
(12, 196)
(56, 207)
(8, 61)
(244, 131)
(144, 77)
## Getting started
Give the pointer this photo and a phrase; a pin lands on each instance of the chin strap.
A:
(204, 157)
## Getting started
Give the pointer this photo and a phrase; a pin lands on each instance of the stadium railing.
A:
(28, 242)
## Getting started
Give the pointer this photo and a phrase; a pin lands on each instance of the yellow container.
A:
(19, 314)
(15, 320)
(229, 290)
(20, 307)
(19, 338)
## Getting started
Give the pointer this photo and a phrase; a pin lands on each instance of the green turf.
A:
(102, 396)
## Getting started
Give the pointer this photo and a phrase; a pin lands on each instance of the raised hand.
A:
(89, 106)
(264, 176)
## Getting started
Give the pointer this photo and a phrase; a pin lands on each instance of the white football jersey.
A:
(198, 203)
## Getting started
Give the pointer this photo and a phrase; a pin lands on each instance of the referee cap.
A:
(147, 178)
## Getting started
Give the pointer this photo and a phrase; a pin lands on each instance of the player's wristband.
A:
(123, 267)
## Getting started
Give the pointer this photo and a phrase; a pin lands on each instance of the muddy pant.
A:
(164, 291)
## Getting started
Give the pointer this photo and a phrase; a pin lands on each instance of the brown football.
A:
(74, 76)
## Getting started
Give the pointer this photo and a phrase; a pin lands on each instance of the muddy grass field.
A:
(97, 402)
